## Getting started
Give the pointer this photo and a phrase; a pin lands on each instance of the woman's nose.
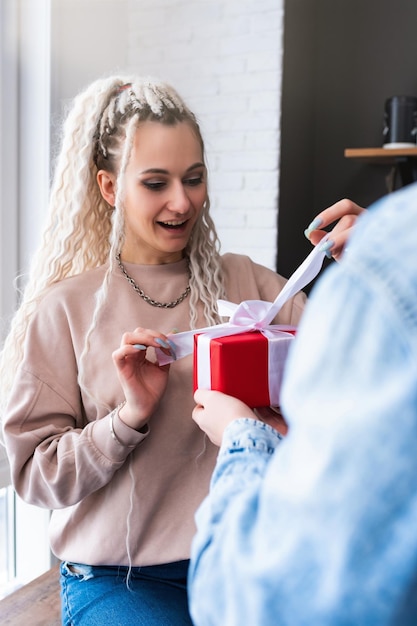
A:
(179, 200)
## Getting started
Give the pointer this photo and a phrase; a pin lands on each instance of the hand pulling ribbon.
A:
(250, 314)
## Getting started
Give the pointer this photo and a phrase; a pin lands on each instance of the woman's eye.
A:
(194, 181)
(154, 185)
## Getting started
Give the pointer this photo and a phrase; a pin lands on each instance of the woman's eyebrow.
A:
(195, 166)
(157, 170)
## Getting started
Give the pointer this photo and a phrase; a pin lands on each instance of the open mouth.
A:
(173, 225)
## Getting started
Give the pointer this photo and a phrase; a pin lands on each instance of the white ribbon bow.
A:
(249, 314)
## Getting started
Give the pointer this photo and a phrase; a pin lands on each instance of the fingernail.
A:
(173, 349)
(326, 247)
(312, 226)
(162, 342)
(139, 346)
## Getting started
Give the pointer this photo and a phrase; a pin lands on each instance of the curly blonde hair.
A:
(82, 230)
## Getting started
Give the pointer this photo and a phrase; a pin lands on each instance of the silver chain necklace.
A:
(161, 305)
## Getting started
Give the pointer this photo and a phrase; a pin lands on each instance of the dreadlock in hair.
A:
(82, 230)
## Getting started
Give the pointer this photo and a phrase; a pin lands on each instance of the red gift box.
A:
(248, 366)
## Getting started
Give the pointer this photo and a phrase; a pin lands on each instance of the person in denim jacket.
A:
(318, 527)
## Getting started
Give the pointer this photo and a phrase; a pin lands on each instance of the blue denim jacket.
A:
(320, 529)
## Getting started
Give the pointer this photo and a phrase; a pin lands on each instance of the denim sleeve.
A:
(320, 531)
(244, 455)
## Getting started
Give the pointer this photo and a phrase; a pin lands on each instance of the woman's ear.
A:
(107, 184)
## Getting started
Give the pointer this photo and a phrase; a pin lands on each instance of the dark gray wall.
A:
(342, 60)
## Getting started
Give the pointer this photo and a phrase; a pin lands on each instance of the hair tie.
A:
(124, 87)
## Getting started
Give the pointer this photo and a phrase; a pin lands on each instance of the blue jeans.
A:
(97, 595)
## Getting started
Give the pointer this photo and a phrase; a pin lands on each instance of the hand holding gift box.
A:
(245, 357)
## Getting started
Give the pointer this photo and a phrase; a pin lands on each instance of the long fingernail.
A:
(173, 349)
(326, 247)
(162, 343)
(312, 226)
(139, 346)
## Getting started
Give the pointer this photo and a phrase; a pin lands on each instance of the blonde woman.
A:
(95, 430)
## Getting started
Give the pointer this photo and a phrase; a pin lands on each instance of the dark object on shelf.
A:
(400, 122)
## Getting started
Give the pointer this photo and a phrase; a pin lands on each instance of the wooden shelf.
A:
(402, 160)
(380, 155)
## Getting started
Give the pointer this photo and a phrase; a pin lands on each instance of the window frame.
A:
(25, 88)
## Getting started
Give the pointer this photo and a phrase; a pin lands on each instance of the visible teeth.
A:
(174, 223)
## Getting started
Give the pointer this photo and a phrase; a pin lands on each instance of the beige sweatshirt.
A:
(111, 500)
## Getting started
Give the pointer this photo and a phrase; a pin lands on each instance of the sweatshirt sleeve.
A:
(57, 455)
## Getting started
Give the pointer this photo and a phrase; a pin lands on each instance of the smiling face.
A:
(164, 191)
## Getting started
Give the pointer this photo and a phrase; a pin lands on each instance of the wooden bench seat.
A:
(38, 603)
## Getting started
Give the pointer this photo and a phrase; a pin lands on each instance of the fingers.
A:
(336, 239)
(204, 400)
(333, 213)
(214, 411)
(139, 340)
(340, 235)
(345, 213)
(197, 414)
(142, 380)
(215, 405)
(201, 395)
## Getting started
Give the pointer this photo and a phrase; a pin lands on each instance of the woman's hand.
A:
(216, 410)
(345, 213)
(143, 382)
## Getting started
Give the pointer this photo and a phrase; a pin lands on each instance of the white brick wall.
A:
(225, 59)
